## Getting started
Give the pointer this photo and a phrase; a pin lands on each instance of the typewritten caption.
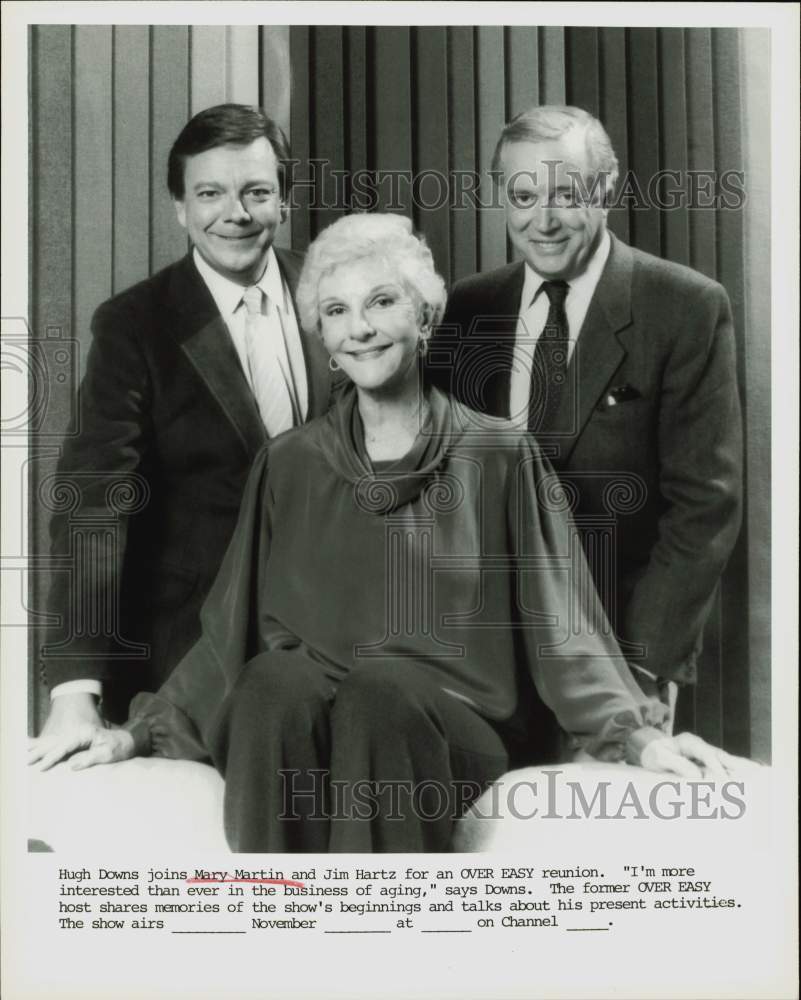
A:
(381, 899)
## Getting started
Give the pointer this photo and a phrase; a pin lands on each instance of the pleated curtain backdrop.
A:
(368, 110)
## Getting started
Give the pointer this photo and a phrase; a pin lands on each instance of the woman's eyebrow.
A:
(384, 286)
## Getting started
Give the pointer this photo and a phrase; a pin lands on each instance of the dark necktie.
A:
(549, 363)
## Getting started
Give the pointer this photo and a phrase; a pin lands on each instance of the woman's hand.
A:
(691, 757)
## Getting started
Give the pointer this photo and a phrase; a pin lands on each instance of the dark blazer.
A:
(150, 480)
(647, 440)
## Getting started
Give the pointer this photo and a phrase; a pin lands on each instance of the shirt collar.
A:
(227, 294)
(584, 283)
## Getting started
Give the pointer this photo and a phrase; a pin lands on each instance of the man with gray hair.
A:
(624, 367)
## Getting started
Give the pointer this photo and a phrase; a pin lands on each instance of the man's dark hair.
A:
(227, 125)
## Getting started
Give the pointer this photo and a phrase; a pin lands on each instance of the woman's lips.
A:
(370, 352)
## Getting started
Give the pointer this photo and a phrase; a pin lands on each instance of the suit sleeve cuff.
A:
(139, 728)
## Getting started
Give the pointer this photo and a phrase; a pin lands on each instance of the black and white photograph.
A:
(400, 494)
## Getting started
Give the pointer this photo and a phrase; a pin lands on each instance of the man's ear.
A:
(180, 211)
(284, 212)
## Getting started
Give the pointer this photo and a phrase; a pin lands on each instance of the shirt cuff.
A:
(638, 740)
(625, 734)
(85, 686)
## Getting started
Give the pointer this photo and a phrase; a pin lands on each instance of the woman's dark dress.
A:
(371, 631)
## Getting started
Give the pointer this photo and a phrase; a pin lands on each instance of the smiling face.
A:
(551, 224)
(369, 323)
(232, 207)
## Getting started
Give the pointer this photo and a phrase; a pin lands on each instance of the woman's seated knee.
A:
(279, 680)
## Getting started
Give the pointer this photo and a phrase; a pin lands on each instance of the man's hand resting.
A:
(73, 724)
(107, 747)
(691, 757)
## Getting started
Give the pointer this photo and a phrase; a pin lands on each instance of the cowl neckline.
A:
(384, 489)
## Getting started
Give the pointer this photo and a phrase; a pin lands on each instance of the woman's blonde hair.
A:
(367, 236)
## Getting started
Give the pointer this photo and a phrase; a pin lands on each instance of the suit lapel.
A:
(315, 355)
(598, 352)
(206, 342)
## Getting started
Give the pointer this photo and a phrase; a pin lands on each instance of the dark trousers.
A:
(376, 759)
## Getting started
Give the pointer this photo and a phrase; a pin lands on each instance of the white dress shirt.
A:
(227, 296)
(532, 314)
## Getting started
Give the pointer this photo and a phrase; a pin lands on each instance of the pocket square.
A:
(620, 394)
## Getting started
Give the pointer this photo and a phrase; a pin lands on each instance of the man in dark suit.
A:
(624, 366)
(189, 373)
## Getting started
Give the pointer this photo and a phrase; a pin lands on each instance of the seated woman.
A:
(401, 581)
